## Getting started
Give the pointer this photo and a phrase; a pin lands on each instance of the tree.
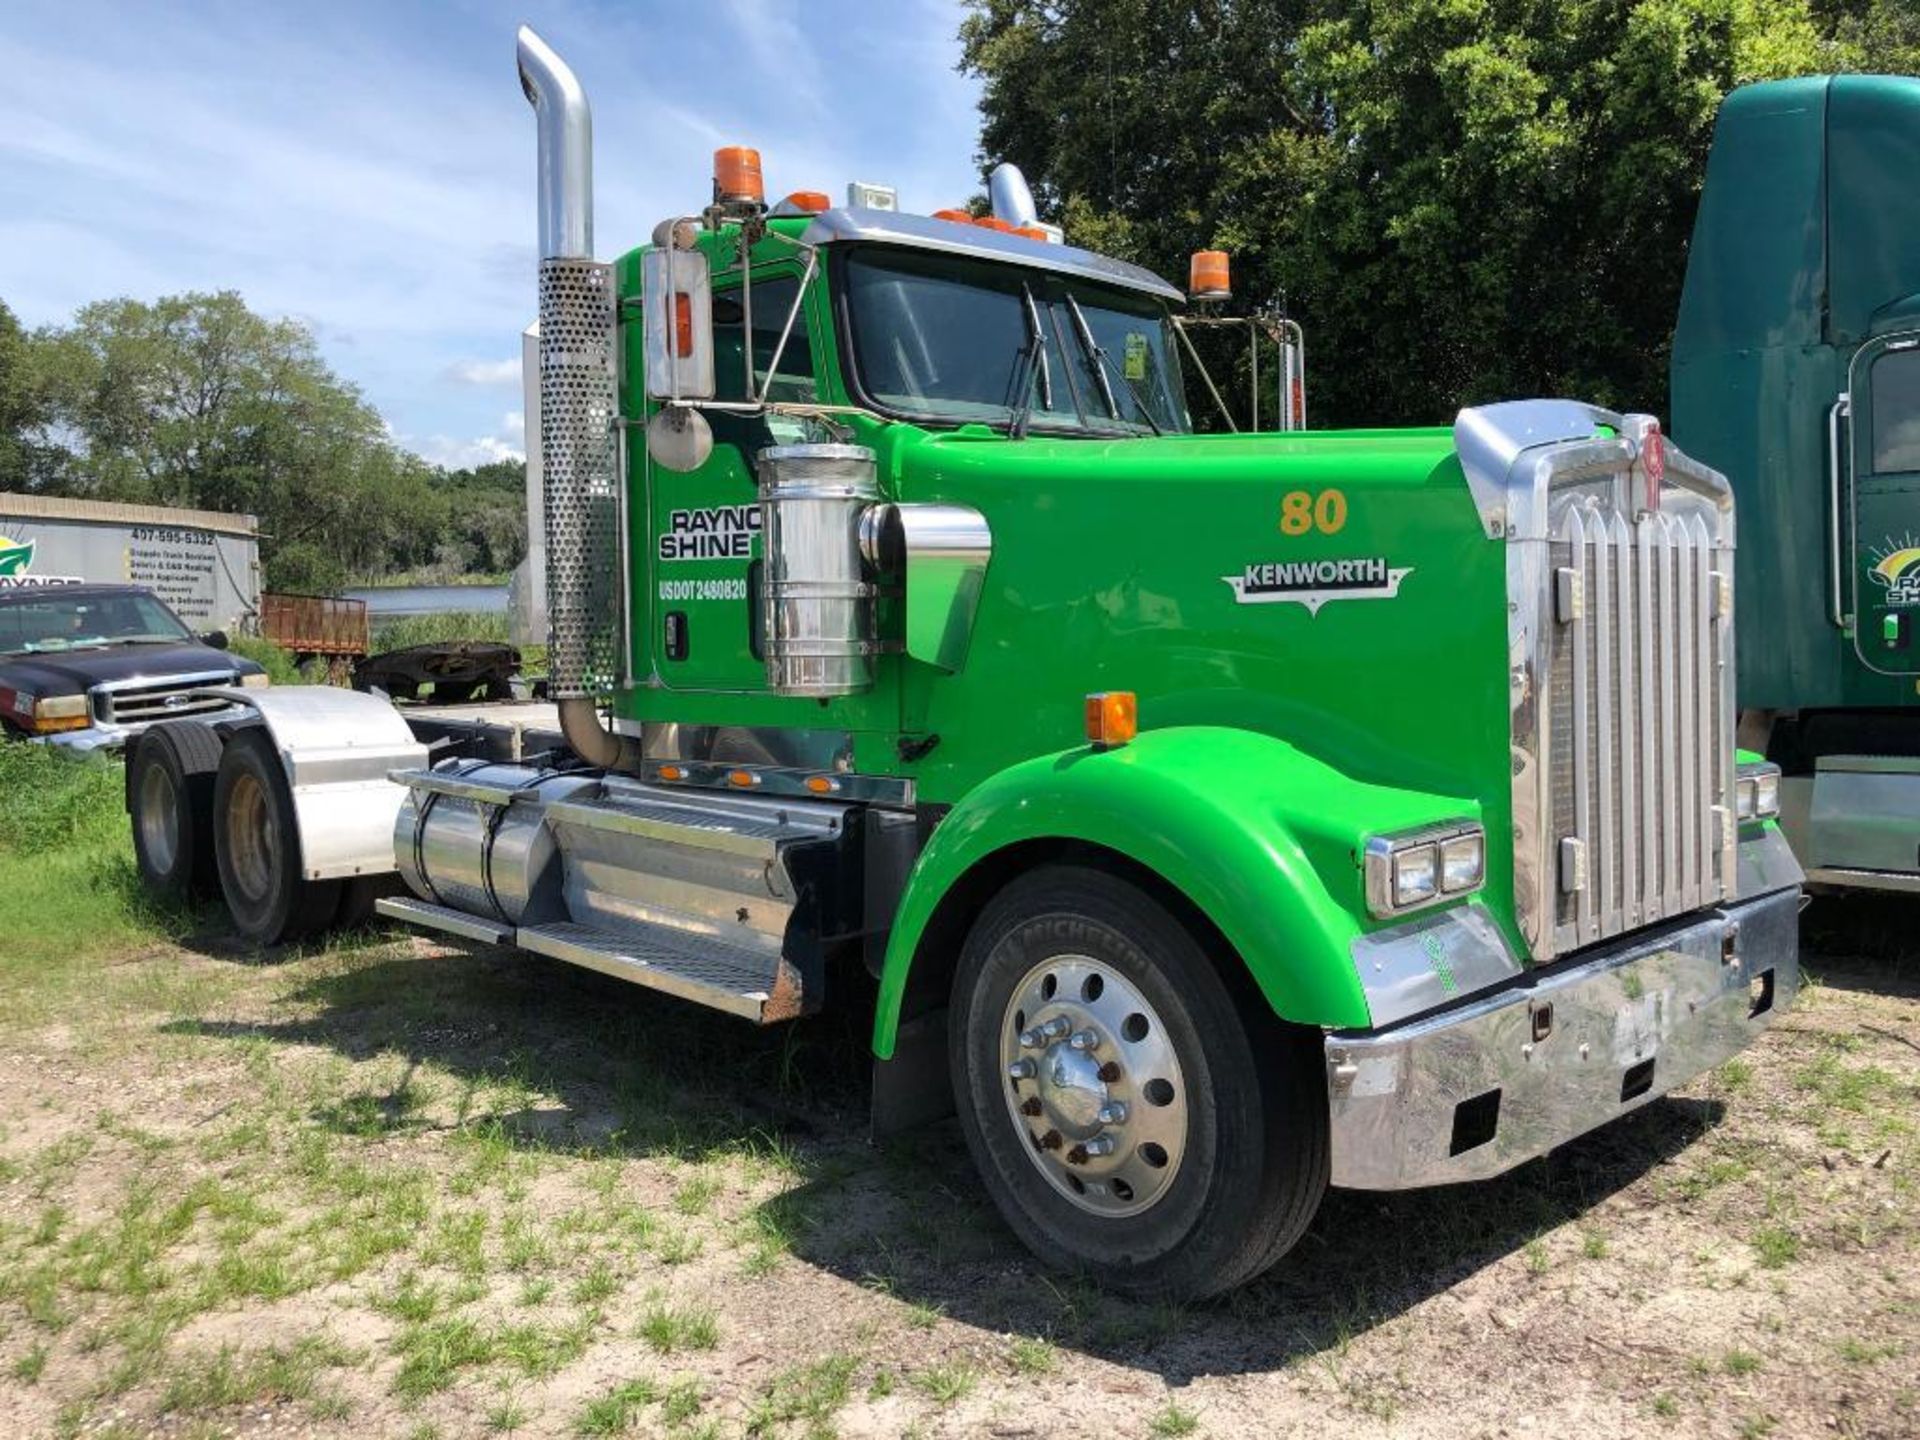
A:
(1460, 199)
(23, 453)
(194, 400)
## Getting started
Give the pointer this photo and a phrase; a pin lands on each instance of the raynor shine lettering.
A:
(721, 532)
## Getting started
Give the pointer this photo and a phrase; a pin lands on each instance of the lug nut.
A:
(1029, 1039)
(1022, 1070)
(1114, 1112)
(1055, 1028)
(1084, 1040)
(1099, 1145)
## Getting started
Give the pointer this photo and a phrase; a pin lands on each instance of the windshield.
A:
(940, 338)
(55, 621)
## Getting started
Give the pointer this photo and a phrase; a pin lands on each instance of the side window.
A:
(772, 302)
(1896, 412)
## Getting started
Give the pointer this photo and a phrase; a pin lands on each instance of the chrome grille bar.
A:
(1639, 738)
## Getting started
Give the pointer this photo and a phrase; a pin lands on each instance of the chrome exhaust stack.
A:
(1012, 197)
(579, 414)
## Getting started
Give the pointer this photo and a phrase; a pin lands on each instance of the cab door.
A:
(703, 531)
(1881, 529)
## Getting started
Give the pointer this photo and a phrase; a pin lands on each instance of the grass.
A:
(67, 872)
(1173, 1421)
(231, 1377)
(944, 1384)
(668, 1329)
(617, 1411)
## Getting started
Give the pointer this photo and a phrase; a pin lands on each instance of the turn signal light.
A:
(1208, 275)
(1113, 718)
(745, 779)
(682, 324)
(736, 175)
(60, 712)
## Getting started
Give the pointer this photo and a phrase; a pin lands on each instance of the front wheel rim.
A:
(1093, 1085)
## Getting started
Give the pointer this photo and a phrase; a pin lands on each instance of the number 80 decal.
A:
(1302, 511)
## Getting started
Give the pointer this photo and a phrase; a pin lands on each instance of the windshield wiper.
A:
(1101, 364)
(1033, 355)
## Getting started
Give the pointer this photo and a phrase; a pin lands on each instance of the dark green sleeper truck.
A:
(1796, 372)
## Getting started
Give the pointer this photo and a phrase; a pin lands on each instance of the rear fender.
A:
(337, 747)
(1264, 840)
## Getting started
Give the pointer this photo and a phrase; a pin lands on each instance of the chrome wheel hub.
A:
(1094, 1085)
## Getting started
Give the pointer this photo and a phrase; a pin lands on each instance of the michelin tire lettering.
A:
(1313, 583)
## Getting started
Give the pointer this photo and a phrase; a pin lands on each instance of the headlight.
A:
(1415, 875)
(1406, 871)
(61, 712)
(1463, 862)
(256, 682)
(1757, 791)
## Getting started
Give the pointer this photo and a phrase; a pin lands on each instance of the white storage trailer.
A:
(205, 565)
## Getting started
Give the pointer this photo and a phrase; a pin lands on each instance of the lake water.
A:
(388, 602)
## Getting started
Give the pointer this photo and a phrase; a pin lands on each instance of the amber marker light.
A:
(994, 222)
(821, 785)
(672, 772)
(958, 217)
(1208, 275)
(1113, 718)
(808, 202)
(745, 779)
(736, 175)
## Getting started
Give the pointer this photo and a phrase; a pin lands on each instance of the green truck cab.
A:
(1216, 817)
(1796, 371)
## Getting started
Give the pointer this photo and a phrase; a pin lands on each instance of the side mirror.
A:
(216, 638)
(677, 298)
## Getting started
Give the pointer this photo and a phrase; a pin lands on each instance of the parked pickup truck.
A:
(89, 666)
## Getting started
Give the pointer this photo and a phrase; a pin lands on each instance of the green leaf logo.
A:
(15, 556)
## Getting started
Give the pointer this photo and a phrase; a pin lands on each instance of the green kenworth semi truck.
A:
(1796, 371)
(1220, 817)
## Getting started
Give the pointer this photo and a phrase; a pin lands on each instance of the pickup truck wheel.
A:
(1113, 1138)
(170, 779)
(257, 844)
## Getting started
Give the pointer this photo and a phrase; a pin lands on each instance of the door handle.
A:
(1841, 408)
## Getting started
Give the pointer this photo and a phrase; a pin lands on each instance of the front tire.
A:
(1130, 1118)
(257, 844)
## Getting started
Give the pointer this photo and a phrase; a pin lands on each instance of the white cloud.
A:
(484, 372)
(456, 454)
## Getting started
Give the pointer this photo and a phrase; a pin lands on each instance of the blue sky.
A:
(368, 168)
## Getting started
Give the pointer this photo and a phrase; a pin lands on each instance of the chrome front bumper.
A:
(1478, 1089)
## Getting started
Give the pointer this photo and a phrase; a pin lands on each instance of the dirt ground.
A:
(398, 1188)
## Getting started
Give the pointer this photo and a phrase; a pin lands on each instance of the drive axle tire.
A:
(170, 782)
(257, 844)
(1132, 1120)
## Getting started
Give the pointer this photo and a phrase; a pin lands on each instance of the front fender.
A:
(1263, 839)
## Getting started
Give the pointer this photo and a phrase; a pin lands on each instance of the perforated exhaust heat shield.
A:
(579, 456)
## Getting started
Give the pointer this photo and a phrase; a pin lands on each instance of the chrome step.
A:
(440, 917)
(752, 983)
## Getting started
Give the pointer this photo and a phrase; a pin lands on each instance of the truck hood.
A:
(76, 671)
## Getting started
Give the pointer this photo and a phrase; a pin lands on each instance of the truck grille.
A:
(147, 701)
(1639, 720)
